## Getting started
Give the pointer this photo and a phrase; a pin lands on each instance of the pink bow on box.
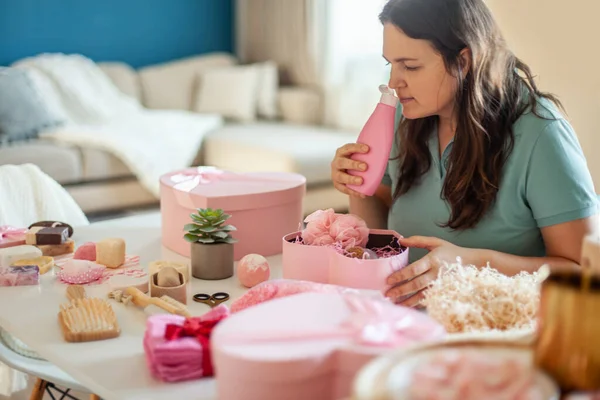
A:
(189, 180)
(10, 232)
(372, 323)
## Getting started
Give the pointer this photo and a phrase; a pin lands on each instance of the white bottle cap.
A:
(388, 96)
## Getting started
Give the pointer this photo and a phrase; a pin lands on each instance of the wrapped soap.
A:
(44, 263)
(25, 275)
(53, 224)
(10, 255)
(54, 235)
(110, 252)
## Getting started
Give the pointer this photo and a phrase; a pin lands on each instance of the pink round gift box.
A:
(263, 206)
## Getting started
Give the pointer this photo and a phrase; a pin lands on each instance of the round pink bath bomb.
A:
(253, 269)
(86, 251)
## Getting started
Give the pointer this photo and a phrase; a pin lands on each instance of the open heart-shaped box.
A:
(324, 264)
(310, 345)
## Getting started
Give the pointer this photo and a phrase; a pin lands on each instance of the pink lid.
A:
(209, 187)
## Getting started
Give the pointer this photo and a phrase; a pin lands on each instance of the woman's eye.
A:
(387, 63)
(406, 67)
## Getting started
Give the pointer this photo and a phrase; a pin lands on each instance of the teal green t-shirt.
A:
(545, 182)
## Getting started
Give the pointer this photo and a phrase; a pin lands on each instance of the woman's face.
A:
(418, 75)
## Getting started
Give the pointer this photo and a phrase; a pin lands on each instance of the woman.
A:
(484, 167)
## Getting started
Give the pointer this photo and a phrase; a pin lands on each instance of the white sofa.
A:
(291, 142)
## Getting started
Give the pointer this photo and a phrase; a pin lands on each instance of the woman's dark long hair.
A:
(497, 90)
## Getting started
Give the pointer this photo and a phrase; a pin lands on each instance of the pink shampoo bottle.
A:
(378, 134)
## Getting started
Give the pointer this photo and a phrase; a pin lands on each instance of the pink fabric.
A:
(10, 232)
(373, 322)
(80, 272)
(11, 236)
(277, 288)
(325, 227)
(175, 360)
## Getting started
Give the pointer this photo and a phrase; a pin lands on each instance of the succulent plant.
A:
(208, 227)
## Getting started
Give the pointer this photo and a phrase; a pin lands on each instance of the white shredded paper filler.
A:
(465, 298)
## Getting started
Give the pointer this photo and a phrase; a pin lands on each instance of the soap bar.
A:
(31, 235)
(55, 235)
(110, 252)
(169, 277)
(57, 249)
(51, 224)
(20, 276)
(44, 263)
(10, 255)
(183, 268)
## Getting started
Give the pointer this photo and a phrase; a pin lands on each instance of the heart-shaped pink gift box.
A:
(324, 264)
(310, 345)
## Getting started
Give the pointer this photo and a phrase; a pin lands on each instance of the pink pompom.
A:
(349, 231)
(318, 223)
(253, 269)
(86, 251)
(326, 228)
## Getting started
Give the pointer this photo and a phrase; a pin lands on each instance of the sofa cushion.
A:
(171, 85)
(61, 162)
(272, 146)
(124, 77)
(231, 92)
(24, 113)
(99, 164)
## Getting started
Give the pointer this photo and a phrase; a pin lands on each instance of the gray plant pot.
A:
(212, 261)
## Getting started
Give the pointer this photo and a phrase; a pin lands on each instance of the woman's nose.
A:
(396, 81)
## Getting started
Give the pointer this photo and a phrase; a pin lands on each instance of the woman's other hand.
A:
(408, 284)
(342, 163)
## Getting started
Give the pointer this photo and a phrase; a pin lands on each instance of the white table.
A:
(113, 369)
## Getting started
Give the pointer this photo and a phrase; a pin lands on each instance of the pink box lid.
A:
(209, 187)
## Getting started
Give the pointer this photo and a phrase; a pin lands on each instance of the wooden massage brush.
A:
(86, 319)
(140, 299)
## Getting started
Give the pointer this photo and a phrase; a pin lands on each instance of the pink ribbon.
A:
(10, 232)
(189, 180)
(373, 323)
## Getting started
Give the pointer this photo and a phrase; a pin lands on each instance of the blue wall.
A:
(139, 32)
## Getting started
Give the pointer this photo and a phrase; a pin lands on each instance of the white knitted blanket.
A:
(149, 142)
(30, 195)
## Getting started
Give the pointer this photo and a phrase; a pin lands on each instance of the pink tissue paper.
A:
(277, 288)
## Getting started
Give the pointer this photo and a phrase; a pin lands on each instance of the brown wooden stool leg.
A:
(39, 389)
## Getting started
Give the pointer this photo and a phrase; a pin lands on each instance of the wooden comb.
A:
(86, 319)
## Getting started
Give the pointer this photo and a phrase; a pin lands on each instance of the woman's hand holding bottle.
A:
(342, 163)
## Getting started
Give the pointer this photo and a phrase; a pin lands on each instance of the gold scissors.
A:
(212, 300)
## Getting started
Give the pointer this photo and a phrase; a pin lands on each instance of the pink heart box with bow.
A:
(263, 206)
(310, 345)
(324, 264)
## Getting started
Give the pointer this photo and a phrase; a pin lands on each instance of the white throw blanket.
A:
(149, 142)
(29, 195)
